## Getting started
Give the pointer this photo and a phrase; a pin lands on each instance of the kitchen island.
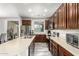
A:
(16, 47)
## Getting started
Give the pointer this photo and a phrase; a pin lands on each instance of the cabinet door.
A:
(62, 17)
(51, 23)
(54, 48)
(40, 38)
(78, 15)
(55, 20)
(26, 22)
(63, 52)
(51, 47)
(55, 52)
(46, 24)
(60, 22)
(71, 15)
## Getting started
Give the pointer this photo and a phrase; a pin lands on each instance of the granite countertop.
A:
(66, 46)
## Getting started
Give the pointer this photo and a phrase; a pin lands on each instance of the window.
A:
(38, 26)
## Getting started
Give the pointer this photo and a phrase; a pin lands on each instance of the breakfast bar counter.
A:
(18, 46)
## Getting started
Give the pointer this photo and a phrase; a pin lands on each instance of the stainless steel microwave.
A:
(73, 39)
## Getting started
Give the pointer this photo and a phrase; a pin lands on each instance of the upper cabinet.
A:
(78, 15)
(66, 16)
(72, 16)
(62, 17)
(46, 24)
(55, 20)
(26, 22)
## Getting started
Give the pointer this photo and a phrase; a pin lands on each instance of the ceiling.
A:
(36, 10)
(8, 10)
(33, 10)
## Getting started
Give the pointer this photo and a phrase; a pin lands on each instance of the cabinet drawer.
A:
(55, 44)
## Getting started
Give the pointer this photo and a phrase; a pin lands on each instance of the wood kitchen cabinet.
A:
(62, 17)
(53, 48)
(59, 18)
(46, 24)
(40, 38)
(63, 52)
(50, 23)
(55, 20)
(66, 16)
(72, 15)
(48, 41)
(57, 50)
(26, 22)
(78, 14)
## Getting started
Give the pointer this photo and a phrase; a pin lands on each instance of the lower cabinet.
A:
(63, 52)
(53, 48)
(57, 50)
(48, 44)
(40, 38)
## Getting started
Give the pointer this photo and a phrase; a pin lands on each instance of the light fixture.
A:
(29, 10)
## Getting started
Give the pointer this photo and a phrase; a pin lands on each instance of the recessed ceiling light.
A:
(45, 10)
(29, 10)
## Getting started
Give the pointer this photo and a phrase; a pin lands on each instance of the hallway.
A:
(41, 49)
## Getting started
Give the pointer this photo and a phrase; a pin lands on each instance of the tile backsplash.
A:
(62, 33)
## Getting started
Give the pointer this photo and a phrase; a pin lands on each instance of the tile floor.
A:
(41, 49)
